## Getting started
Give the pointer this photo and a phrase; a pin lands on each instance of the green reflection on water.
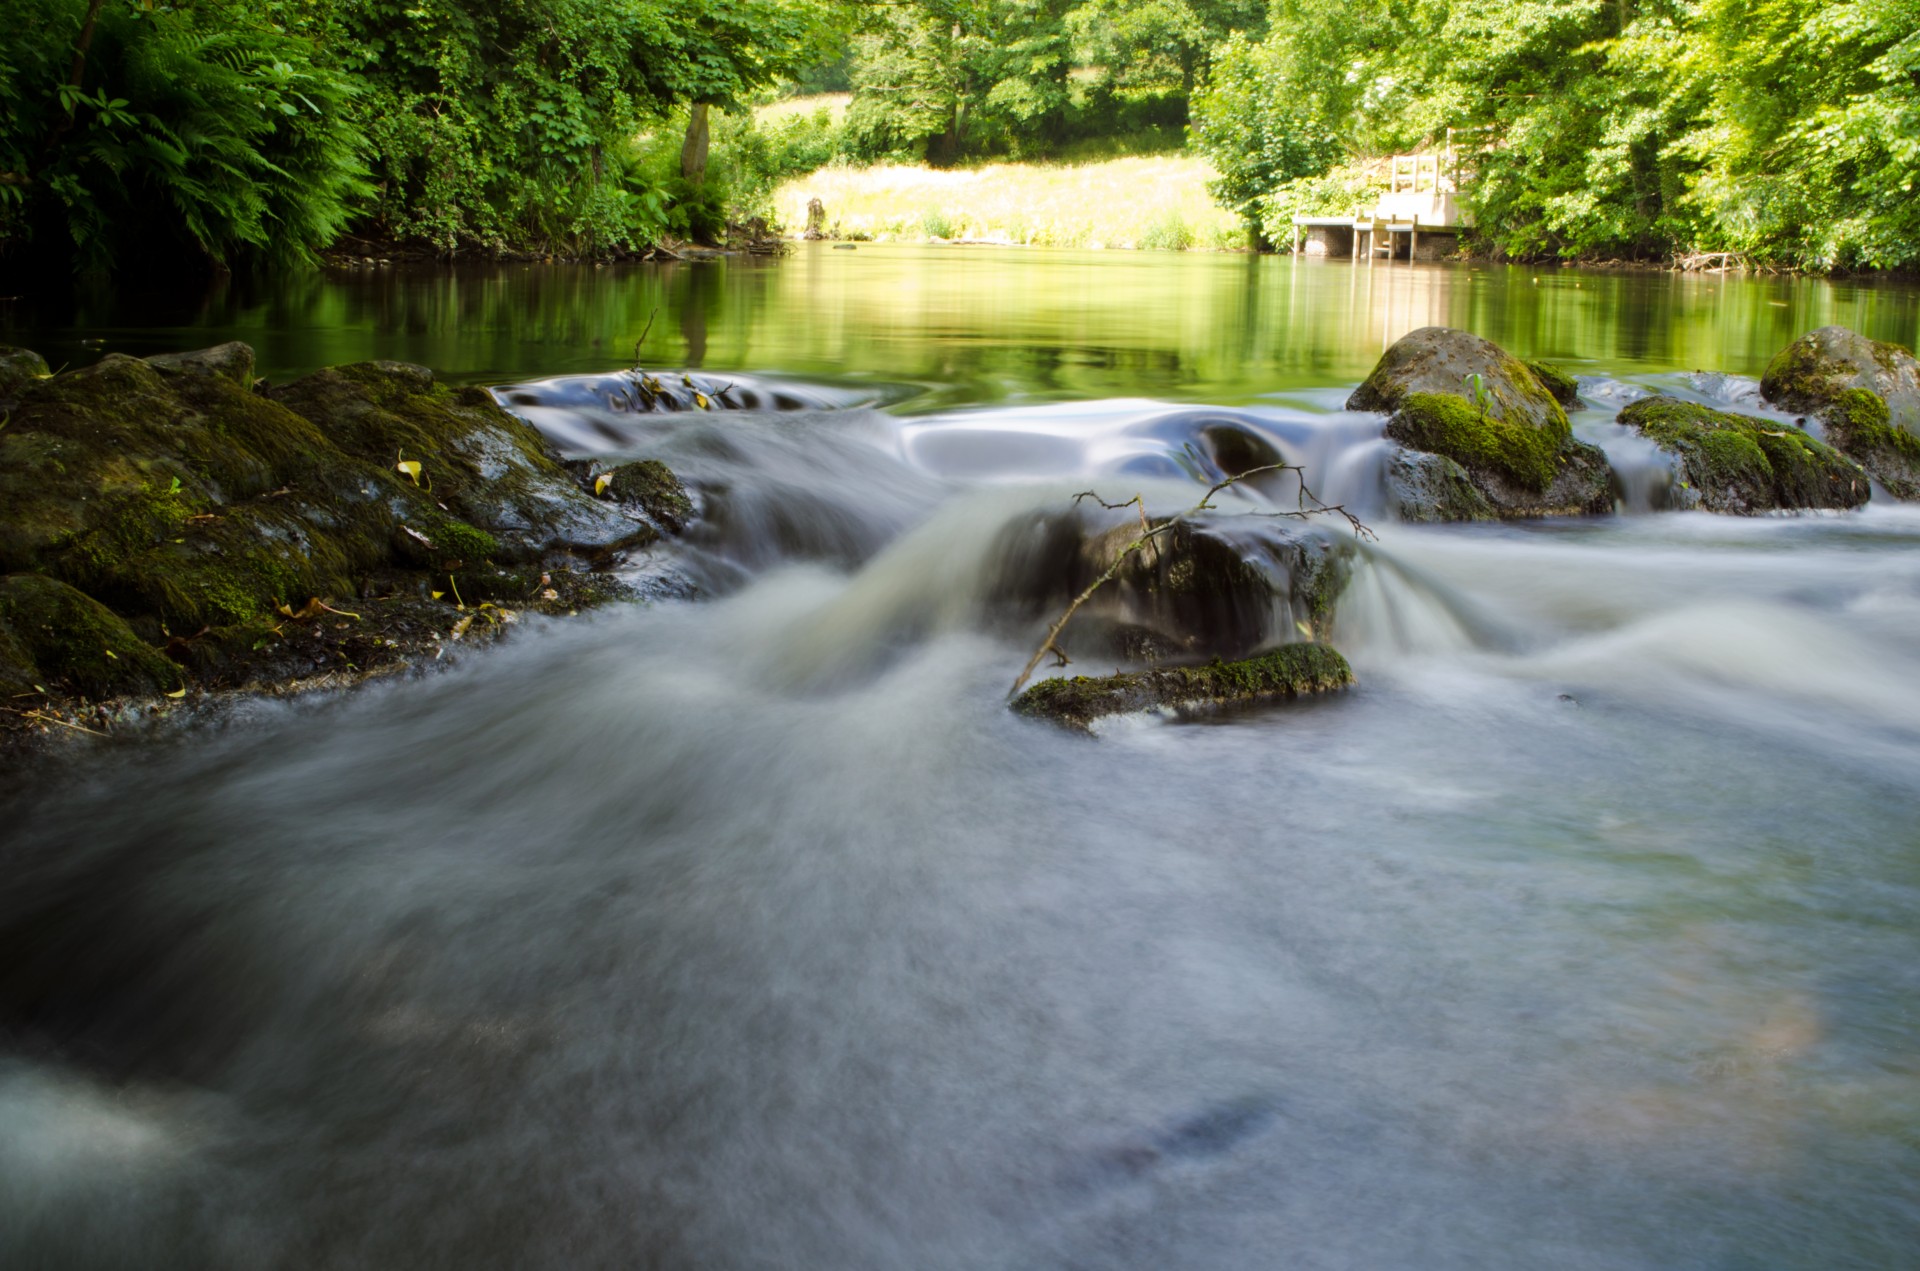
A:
(979, 324)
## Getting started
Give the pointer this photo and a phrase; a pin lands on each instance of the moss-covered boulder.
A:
(210, 520)
(1204, 588)
(1454, 394)
(1866, 393)
(54, 635)
(650, 487)
(1556, 381)
(481, 464)
(1292, 670)
(1739, 464)
(1860, 426)
(19, 368)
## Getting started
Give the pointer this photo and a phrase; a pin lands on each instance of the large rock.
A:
(1866, 392)
(1454, 394)
(19, 368)
(1204, 588)
(1292, 670)
(202, 516)
(1735, 463)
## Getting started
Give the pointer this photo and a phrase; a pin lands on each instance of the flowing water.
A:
(754, 931)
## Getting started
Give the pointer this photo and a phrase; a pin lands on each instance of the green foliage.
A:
(1784, 130)
(1260, 125)
(215, 130)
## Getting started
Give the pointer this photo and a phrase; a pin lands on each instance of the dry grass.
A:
(835, 104)
(1152, 202)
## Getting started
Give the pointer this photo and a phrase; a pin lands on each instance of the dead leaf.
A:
(601, 482)
(411, 467)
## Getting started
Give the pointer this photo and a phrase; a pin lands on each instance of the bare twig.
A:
(1150, 532)
(643, 337)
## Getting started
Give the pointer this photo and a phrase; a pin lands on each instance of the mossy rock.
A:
(1445, 360)
(652, 487)
(232, 360)
(1290, 671)
(1860, 426)
(1811, 373)
(1206, 587)
(1454, 394)
(188, 510)
(19, 368)
(52, 634)
(1478, 440)
(488, 468)
(1739, 464)
(1556, 381)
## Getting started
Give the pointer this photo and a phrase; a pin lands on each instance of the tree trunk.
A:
(693, 154)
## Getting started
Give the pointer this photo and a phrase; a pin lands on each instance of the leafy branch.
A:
(1309, 506)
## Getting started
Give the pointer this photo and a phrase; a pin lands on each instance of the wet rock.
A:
(478, 462)
(166, 503)
(1866, 392)
(53, 635)
(1738, 464)
(232, 360)
(1292, 670)
(1204, 588)
(1430, 487)
(1860, 426)
(1453, 394)
(19, 368)
(652, 488)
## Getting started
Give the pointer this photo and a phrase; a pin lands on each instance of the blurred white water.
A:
(756, 932)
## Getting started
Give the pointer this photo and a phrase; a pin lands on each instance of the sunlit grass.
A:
(835, 104)
(1157, 201)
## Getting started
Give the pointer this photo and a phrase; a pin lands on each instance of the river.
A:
(754, 931)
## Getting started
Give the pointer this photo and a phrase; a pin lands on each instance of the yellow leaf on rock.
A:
(411, 467)
(601, 482)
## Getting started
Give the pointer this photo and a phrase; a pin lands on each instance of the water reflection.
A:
(977, 325)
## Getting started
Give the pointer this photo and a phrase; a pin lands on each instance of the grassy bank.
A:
(1156, 202)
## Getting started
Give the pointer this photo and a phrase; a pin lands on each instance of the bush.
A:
(214, 133)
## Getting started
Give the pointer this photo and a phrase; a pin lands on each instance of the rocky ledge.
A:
(174, 527)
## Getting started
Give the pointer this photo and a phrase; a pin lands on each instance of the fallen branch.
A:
(1149, 532)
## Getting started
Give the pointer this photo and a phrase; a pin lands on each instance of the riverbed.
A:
(753, 930)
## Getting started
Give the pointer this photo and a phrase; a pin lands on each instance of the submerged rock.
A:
(1454, 394)
(181, 527)
(1866, 392)
(1292, 670)
(1739, 464)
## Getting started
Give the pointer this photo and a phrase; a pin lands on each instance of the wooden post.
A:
(1413, 240)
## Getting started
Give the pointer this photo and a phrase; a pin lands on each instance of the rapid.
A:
(747, 927)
